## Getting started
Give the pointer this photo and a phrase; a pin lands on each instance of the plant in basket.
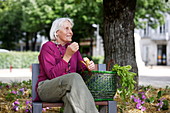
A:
(126, 82)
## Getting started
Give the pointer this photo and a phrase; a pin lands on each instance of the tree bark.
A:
(34, 40)
(119, 33)
(27, 41)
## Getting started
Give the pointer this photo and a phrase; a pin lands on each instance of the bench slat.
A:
(47, 104)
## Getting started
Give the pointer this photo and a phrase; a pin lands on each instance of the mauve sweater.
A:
(52, 65)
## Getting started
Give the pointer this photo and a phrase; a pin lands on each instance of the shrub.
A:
(18, 59)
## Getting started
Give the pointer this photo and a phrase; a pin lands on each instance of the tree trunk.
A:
(47, 30)
(27, 41)
(91, 46)
(119, 33)
(34, 40)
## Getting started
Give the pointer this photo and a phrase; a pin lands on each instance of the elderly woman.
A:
(59, 66)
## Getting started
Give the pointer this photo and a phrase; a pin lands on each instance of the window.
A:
(162, 29)
(146, 30)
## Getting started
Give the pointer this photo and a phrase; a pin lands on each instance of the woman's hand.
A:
(91, 66)
(71, 49)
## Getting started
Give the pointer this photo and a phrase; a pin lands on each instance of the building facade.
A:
(155, 44)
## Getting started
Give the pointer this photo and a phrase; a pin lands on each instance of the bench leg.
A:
(36, 107)
(112, 107)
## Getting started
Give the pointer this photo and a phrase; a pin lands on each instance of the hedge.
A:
(18, 59)
(25, 59)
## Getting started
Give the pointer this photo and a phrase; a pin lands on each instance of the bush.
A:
(18, 59)
(98, 60)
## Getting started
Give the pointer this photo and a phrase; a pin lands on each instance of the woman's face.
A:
(65, 33)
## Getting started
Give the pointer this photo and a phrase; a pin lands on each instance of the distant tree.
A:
(150, 12)
(10, 22)
(35, 17)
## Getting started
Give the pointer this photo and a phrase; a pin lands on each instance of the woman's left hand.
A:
(91, 66)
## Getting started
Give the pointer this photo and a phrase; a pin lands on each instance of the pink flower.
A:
(16, 102)
(21, 91)
(138, 106)
(143, 108)
(15, 108)
(137, 100)
(13, 92)
(143, 97)
(27, 102)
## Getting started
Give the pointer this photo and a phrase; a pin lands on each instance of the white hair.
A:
(56, 25)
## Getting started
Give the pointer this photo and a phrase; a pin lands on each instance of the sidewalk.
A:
(15, 75)
(155, 71)
(157, 76)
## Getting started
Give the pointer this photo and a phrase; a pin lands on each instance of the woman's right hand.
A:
(71, 49)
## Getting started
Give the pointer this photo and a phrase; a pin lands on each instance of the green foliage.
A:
(165, 105)
(160, 93)
(10, 22)
(20, 17)
(150, 100)
(18, 59)
(127, 81)
(151, 11)
(10, 96)
(98, 60)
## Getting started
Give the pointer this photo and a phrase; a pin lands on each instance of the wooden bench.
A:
(104, 106)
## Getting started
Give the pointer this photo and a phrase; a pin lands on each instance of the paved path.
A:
(15, 75)
(157, 76)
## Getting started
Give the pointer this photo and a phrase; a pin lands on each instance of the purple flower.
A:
(15, 108)
(15, 105)
(142, 102)
(132, 97)
(16, 102)
(143, 108)
(21, 90)
(143, 97)
(13, 92)
(160, 104)
(137, 100)
(162, 99)
(159, 109)
(138, 106)
(142, 93)
(27, 110)
(28, 107)
(27, 102)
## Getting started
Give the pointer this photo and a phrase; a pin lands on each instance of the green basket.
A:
(102, 84)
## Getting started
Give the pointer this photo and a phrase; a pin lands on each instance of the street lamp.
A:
(97, 38)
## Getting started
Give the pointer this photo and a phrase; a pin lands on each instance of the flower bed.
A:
(147, 100)
(16, 97)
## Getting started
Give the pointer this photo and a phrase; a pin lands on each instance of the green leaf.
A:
(165, 105)
(159, 94)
